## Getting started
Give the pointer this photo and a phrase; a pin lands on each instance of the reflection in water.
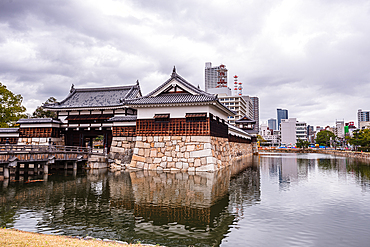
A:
(152, 207)
(265, 200)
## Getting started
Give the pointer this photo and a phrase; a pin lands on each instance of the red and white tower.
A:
(222, 76)
(235, 85)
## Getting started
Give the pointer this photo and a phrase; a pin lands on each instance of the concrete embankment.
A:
(350, 154)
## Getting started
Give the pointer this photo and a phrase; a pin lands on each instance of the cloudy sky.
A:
(311, 57)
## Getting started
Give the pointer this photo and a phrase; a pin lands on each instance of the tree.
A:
(41, 113)
(11, 108)
(360, 138)
(323, 137)
(302, 143)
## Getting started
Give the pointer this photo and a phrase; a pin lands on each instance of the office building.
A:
(281, 114)
(242, 105)
(272, 123)
(256, 112)
(363, 118)
(215, 76)
(291, 131)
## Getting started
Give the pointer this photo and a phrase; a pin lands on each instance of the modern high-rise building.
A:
(281, 114)
(363, 118)
(256, 112)
(215, 76)
(272, 123)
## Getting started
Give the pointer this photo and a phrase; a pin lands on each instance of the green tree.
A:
(360, 138)
(323, 137)
(302, 143)
(41, 113)
(11, 109)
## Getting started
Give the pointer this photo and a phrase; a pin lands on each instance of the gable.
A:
(172, 87)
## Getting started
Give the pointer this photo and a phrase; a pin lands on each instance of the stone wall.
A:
(40, 141)
(186, 153)
(121, 151)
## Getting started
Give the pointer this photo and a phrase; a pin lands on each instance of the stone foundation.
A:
(121, 152)
(185, 153)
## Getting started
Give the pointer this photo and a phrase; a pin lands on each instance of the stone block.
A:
(183, 149)
(201, 153)
(191, 169)
(203, 161)
(157, 160)
(190, 148)
(136, 151)
(167, 138)
(177, 149)
(159, 144)
(155, 139)
(114, 144)
(176, 138)
(179, 165)
(180, 155)
(170, 164)
(163, 164)
(140, 165)
(207, 145)
(153, 152)
(175, 169)
(164, 158)
(211, 160)
(206, 168)
(169, 158)
(174, 142)
(138, 158)
(152, 167)
(197, 163)
(147, 145)
(141, 152)
(139, 138)
(185, 165)
(147, 152)
(119, 144)
(201, 139)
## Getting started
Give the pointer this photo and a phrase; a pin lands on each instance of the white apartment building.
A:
(291, 131)
(339, 129)
(242, 105)
(268, 134)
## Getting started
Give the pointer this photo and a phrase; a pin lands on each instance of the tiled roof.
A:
(123, 118)
(38, 120)
(171, 99)
(97, 97)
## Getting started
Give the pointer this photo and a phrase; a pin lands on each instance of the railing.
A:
(11, 148)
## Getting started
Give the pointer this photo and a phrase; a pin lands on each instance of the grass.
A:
(12, 237)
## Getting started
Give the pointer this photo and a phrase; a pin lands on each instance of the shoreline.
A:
(351, 154)
(14, 237)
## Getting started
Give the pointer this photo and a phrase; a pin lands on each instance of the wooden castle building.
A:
(175, 127)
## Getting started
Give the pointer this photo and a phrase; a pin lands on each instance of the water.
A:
(269, 200)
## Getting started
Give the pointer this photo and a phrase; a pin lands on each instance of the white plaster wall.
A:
(179, 112)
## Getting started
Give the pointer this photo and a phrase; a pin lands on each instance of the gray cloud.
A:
(309, 57)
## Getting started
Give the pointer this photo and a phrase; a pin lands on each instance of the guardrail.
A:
(10, 148)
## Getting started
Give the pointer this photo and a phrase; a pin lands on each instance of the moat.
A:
(267, 200)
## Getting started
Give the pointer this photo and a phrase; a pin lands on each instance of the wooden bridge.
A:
(19, 159)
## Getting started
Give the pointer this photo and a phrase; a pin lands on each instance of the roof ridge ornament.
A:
(137, 82)
(72, 88)
(174, 71)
